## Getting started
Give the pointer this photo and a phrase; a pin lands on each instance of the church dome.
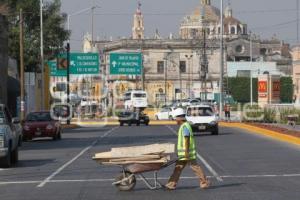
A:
(231, 20)
(206, 16)
(211, 13)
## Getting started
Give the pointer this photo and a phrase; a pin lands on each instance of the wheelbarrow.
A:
(126, 181)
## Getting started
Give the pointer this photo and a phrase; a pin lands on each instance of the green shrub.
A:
(286, 90)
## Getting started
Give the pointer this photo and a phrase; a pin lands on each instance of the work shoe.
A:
(169, 186)
(205, 184)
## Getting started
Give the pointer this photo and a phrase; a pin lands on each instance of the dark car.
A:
(133, 118)
(41, 124)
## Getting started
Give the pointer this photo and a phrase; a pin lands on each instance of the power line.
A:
(265, 11)
(275, 25)
(180, 14)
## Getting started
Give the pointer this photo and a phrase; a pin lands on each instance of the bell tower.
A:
(228, 10)
(205, 2)
(138, 24)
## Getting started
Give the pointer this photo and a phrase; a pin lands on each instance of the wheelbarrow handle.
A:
(171, 162)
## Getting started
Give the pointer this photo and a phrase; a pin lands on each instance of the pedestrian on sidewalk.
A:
(227, 110)
(186, 151)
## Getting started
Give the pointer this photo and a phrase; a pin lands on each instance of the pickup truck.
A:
(10, 138)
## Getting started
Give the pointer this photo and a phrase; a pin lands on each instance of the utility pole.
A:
(42, 57)
(189, 57)
(251, 84)
(165, 69)
(22, 116)
(143, 72)
(204, 61)
(180, 77)
(297, 21)
(221, 61)
(93, 9)
(204, 66)
(68, 82)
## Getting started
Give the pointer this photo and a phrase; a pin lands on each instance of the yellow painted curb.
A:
(265, 132)
(71, 126)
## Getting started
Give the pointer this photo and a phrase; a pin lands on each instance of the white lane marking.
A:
(151, 178)
(19, 182)
(214, 173)
(263, 176)
(45, 181)
(205, 163)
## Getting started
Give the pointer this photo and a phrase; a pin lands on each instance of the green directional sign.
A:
(84, 63)
(125, 63)
(80, 63)
(54, 71)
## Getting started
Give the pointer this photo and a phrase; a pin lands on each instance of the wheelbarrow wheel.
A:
(128, 183)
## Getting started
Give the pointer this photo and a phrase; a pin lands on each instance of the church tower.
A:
(138, 24)
(228, 10)
(205, 2)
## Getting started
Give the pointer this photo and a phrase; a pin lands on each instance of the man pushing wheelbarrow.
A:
(186, 151)
(137, 160)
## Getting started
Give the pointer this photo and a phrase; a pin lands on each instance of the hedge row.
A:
(239, 88)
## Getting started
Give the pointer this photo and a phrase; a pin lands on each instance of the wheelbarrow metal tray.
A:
(142, 167)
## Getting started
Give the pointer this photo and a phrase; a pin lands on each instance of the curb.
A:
(261, 131)
(71, 126)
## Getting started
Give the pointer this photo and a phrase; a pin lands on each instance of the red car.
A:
(41, 124)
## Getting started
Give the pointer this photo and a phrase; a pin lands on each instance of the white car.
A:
(165, 114)
(190, 102)
(202, 119)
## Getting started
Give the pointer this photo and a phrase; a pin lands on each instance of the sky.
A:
(114, 18)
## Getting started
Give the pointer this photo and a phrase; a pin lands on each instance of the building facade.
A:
(173, 67)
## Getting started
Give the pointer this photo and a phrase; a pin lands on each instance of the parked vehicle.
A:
(41, 124)
(202, 119)
(190, 102)
(130, 118)
(135, 99)
(165, 114)
(10, 138)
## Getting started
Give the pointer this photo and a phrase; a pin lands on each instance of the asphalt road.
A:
(240, 165)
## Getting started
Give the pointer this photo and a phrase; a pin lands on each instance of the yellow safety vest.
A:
(181, 143)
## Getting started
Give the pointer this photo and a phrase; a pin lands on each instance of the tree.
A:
(54, 32)
(286, 90)
(239, 88)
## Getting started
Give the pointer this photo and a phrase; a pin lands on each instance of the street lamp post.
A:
(221, 61)
(80, 12)
(68, 48)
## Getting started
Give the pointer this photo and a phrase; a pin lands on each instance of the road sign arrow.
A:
(114, 63)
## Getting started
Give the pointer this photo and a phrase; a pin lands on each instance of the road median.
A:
(265, 132)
